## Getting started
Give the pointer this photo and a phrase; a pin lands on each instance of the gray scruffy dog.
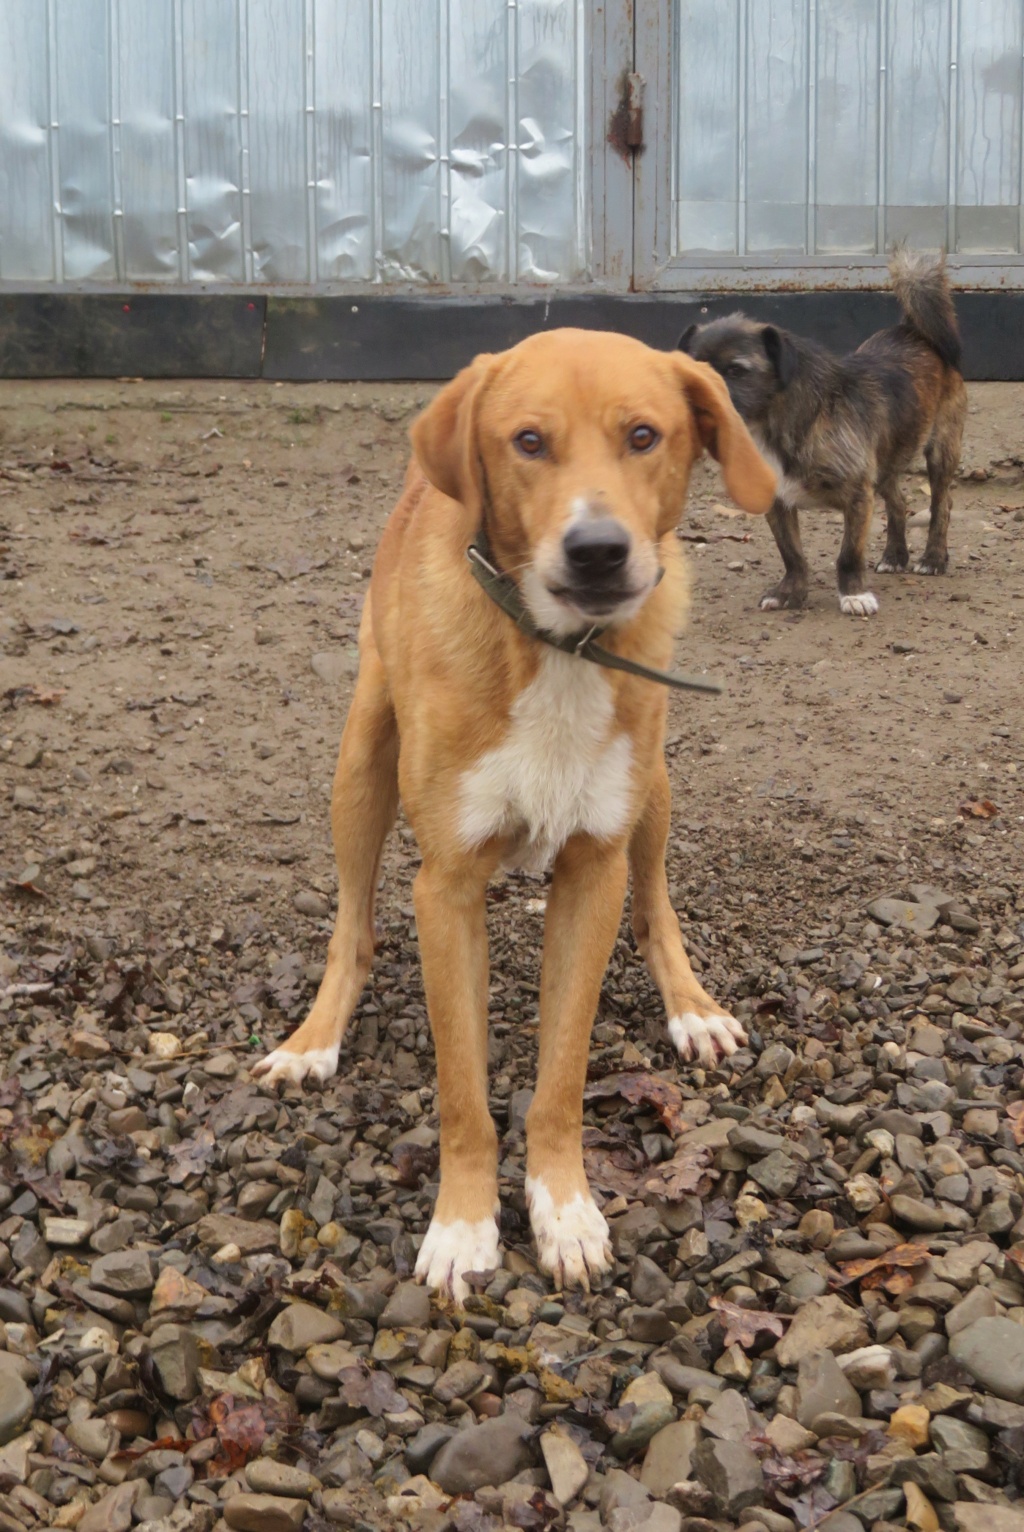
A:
(841, 427)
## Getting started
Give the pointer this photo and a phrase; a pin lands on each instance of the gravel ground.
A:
(816, 1317)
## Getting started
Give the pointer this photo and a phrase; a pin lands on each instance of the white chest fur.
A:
(559, 771)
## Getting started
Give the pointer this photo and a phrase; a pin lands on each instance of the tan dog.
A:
(573, 451)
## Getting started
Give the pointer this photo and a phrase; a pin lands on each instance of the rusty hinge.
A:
(626, 128)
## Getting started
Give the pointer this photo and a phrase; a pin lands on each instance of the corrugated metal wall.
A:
(274, 142)
(833, 127)
(277, 143)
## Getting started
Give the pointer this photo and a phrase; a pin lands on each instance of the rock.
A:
(335, 665)
(778, 1174)
(93, 1437)
(173, 1290)
(732, 1473)
(648, 1284)
(621, 1489)
(88, 1045)
(987, 1518)
(175, 1353)
(817, 1227)
(647, 1518)
(265, 1513)
(408, 1306)
(566, 1465)
(113, 1513)
(979, 1304)
(490, 1453)
(669, 1456)
(821, 1388)
(649, 1419)
(267, 1477)
(918, 1214)
(788, 1436)
(992, 1351)
(868, 1367)
(124, 1273)
(727, 1417)
(14, 1464)
(302, 1325)
(822, 1324)
(755, 1142)
(67, 1231)
(331, 1360)
(904, 913)
(949, 1434)
(920, 1511)
(307, 902)
(459, 1381)
(219, 1229)
(910, 1424)
(15, 1405)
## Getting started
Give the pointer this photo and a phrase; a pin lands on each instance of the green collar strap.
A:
(504, 592)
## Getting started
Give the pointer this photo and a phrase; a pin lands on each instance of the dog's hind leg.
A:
(697, 1025)
(364, 802)
(791, 590)
(896, 555)
(855, 600)
(942, 456)
(583, 915)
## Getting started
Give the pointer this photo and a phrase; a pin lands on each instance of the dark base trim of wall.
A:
(383, 336)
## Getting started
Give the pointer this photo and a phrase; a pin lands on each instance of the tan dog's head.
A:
(575, 449)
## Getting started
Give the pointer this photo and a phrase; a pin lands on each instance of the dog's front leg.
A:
(583, 914)
(450, 900)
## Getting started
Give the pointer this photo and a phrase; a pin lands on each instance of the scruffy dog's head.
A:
(757, 361)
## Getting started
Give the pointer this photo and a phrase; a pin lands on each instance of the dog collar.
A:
(504, 592)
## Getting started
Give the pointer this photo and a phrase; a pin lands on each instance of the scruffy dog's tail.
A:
(922, 287)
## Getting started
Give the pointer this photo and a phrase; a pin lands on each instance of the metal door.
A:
(789, 143)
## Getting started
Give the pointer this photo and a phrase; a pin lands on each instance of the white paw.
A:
(885, 567)
(863, 605)
(926, 567)
(701, 1037)
(770, 603)
(317, 1064)
(572, 1240)
(449, 1250)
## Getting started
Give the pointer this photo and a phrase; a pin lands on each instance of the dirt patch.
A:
(187, 565)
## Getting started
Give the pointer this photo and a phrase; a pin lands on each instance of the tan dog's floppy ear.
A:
(444, 436)
(748, 478)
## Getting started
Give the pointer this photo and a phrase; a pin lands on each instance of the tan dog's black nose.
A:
(596, 551)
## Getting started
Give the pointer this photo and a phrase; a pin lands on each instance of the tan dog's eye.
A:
(643, 438)
(529, 443)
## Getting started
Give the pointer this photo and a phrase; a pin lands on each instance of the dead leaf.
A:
(641, 1088)
(688, 1173)
(240, 1432)
(725, 510)
(743, 1326)
(894, 1282)
(889, 1270)
(414, 1163)
(43, 694)
(26, 883)
(1016, 1255)
(979, 808)
(192, 1156)
(613, 1166)
(371, 1391)
(920, 1511)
